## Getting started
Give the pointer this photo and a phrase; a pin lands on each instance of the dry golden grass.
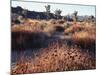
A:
(34, 26)
(74, 28)
(88, 27)
(56, 57)
(29, 26)
(84, 39)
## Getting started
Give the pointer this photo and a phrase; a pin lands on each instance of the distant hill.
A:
(19, 11)
(32, 14)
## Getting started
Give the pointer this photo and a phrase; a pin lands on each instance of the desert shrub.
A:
(60, 21)
(90, 28)
(67, 25)
(52, 21)
(43, 25)
(33, 26)
(56, 57)
(73, 29)
(49, 30)
(27, 35)
(31, 33)
(84, 39)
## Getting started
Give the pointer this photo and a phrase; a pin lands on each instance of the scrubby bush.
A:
(73, 29)
(84, 39)
(56, 57)
(59, 55)
(49, 30)
(67, 25)
(53, 21)
(60, 21)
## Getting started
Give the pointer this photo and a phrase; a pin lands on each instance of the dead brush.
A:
(84, 39)
(26, 27)
(53, 21)
(57, 57)
(73, 29)
(49, 30)
(34, 26)
(60, 21)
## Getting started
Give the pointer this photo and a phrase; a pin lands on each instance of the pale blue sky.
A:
(66, 8)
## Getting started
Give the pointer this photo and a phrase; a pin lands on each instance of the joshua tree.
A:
(47, 8)
(75, 16)
(24, 13)
(92, 18)
(58, 13)
(47, 11)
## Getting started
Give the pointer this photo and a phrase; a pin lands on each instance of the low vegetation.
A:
(56, 55)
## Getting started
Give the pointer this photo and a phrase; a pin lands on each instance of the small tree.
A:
(92, 18)
(47, 11)
(75, 16)
(58, 13)
(24, 13)
(47, 8)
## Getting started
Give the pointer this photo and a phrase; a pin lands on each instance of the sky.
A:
(66, 8)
